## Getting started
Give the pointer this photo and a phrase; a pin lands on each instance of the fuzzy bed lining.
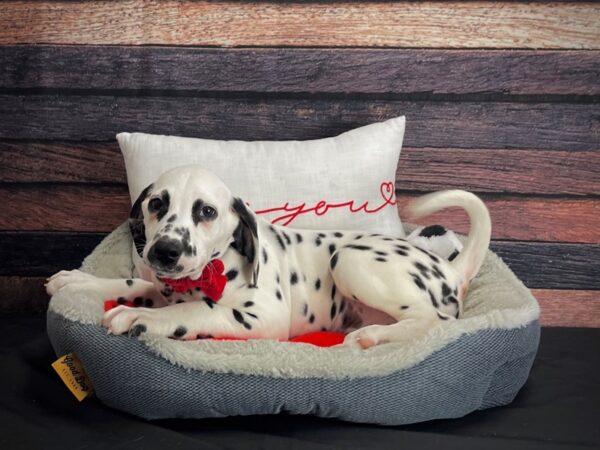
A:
(496, 300)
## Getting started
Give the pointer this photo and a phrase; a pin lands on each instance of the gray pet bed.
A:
(460, 366)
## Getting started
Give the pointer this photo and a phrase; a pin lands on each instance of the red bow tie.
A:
(211, 282)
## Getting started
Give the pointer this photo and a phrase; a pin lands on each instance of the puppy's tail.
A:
(470, 259)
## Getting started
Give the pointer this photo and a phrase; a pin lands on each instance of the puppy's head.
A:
(188, 217)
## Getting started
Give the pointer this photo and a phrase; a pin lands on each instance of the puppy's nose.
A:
(166, 252)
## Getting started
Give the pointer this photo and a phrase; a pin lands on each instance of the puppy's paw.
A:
(135, 321)
(69, 278)
(366, 337)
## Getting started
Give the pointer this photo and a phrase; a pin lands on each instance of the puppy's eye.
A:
(208, 211)
(154, 204)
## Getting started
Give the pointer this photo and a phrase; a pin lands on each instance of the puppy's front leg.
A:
(136, 290)
(190, 320)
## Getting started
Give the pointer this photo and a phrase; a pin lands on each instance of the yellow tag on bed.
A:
(71, 371)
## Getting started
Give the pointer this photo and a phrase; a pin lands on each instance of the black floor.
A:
(559, 407)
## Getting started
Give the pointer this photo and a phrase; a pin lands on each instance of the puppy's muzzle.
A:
(165, 253)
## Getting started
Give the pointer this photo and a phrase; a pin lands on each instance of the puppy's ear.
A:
(245, 236)
(136, 222)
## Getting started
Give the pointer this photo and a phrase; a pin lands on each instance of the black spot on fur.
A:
(453, 300)
(265, 256)
(441, 316)
(342, 306)
(318, 241)
(311, 319)
(433, 300)
(333, 292)
(148, 303)
(402, 247)
(400, 252)
(247, 326)
(180, 301)
(137, 330)
(173, 218)
(332, 249)
(180, 331)
(417, 280)
(248, 304)
(360, 236)
(454, 254)
(322, 235)
(278, 237)
(278, 294)
(438, 273)
(298, 238)
(305, 309)
(318, 284)
(404, 307)
(231, 274)
(129, 282)
(333, 311)
(380, 253)
(337, 234)
(434, 258)
(359, 247)
(166, 199)
(121, 300)
(293, 278)
(252, 315)
(238, 316)
(380, 259)
(423, 269)
(334, 260)
(287, 238)
(388, 239)
(445, 290)
(433, 230)
(138, 301)
(201, 212)
(209, 302)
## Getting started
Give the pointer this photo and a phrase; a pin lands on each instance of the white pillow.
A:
(296, 183)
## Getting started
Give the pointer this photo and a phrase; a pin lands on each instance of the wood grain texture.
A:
(80, 162)
(91, 208)
(527, 219)
(477, 24)
(300, 70)
(419, 169)
(568, 308)
(559, 126)
(539, 265)
(499, 171)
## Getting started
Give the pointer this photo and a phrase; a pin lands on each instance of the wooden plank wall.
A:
(502, 98)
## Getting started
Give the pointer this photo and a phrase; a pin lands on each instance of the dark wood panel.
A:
(285, 70)
(539, 265)
(419, 169)
(561, 126)
(93, 208)
(552, 266)
(498, 170)
(564, 308)
(64, 208)
(559, 308)
(61, 162)
(455, 24)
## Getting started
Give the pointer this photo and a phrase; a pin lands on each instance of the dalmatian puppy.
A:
(281, 282)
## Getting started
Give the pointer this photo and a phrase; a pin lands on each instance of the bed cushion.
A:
(460, 366)
(342, 182)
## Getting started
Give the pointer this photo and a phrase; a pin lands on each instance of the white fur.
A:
(371, 279)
